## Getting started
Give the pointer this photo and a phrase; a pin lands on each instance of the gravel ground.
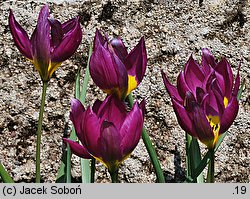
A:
(173, 30)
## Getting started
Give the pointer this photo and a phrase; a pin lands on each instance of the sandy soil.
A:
(173, 30)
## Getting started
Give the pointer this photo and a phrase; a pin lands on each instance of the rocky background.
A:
(173, 30)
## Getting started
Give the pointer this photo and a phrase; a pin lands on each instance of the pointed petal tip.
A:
(142, 106)
(206, 51)
(76, 104)
(69, 44)
(77, 149)
(20, 36)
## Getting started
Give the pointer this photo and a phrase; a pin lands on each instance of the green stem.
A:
(92, 179)
(210, 172)
(68, 165)
(150, 149)
(188, 159)
(114, 176)
(39, 133)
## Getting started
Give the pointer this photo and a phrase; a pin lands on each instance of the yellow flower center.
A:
(214, 122)
(225, 102)
(52, 67)
(46, 73)
(110, 165)
(132, 84)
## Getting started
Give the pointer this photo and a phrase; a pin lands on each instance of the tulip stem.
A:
(150, 149)
(114, 176)
(210, 172)
(92, 177)
(39, 133)
(188, 160)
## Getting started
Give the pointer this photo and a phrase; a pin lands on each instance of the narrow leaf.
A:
(85, 80)
(5, 175)
(241, 89)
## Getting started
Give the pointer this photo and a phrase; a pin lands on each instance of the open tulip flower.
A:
(205, 99)
(106, 131)
(115, 70)
(50, 44)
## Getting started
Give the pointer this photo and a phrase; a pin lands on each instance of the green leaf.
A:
(86, 171)
(77, 84)
(241, 89)
(193, 156)
(82, 96)
(5, 175)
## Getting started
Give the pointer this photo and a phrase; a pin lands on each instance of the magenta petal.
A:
(96, 106)
(119, 48)
(91, 132)
(202, 126)
(112, 110)
(105, 72)
(200, 94)
(226, 77)
(182, 85)
(189, 101)
(218, 96)
(136, 61)
(208, 61)
(20, 37)
(122, 76)
(172, 91)
(229, 115)
(183, 118)
(193, 74)
(40, 40)
(214, 104)
(68, 25)
(76, 116)
(142, 106)
(110, 143)
(98, 40)
(69, 43)
(56, 32)
(131, 130)
(208, 106)
(77, 149)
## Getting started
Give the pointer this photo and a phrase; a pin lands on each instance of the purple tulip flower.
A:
(106, 131)
(205, 99)
(115, 70)
(50, 44)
